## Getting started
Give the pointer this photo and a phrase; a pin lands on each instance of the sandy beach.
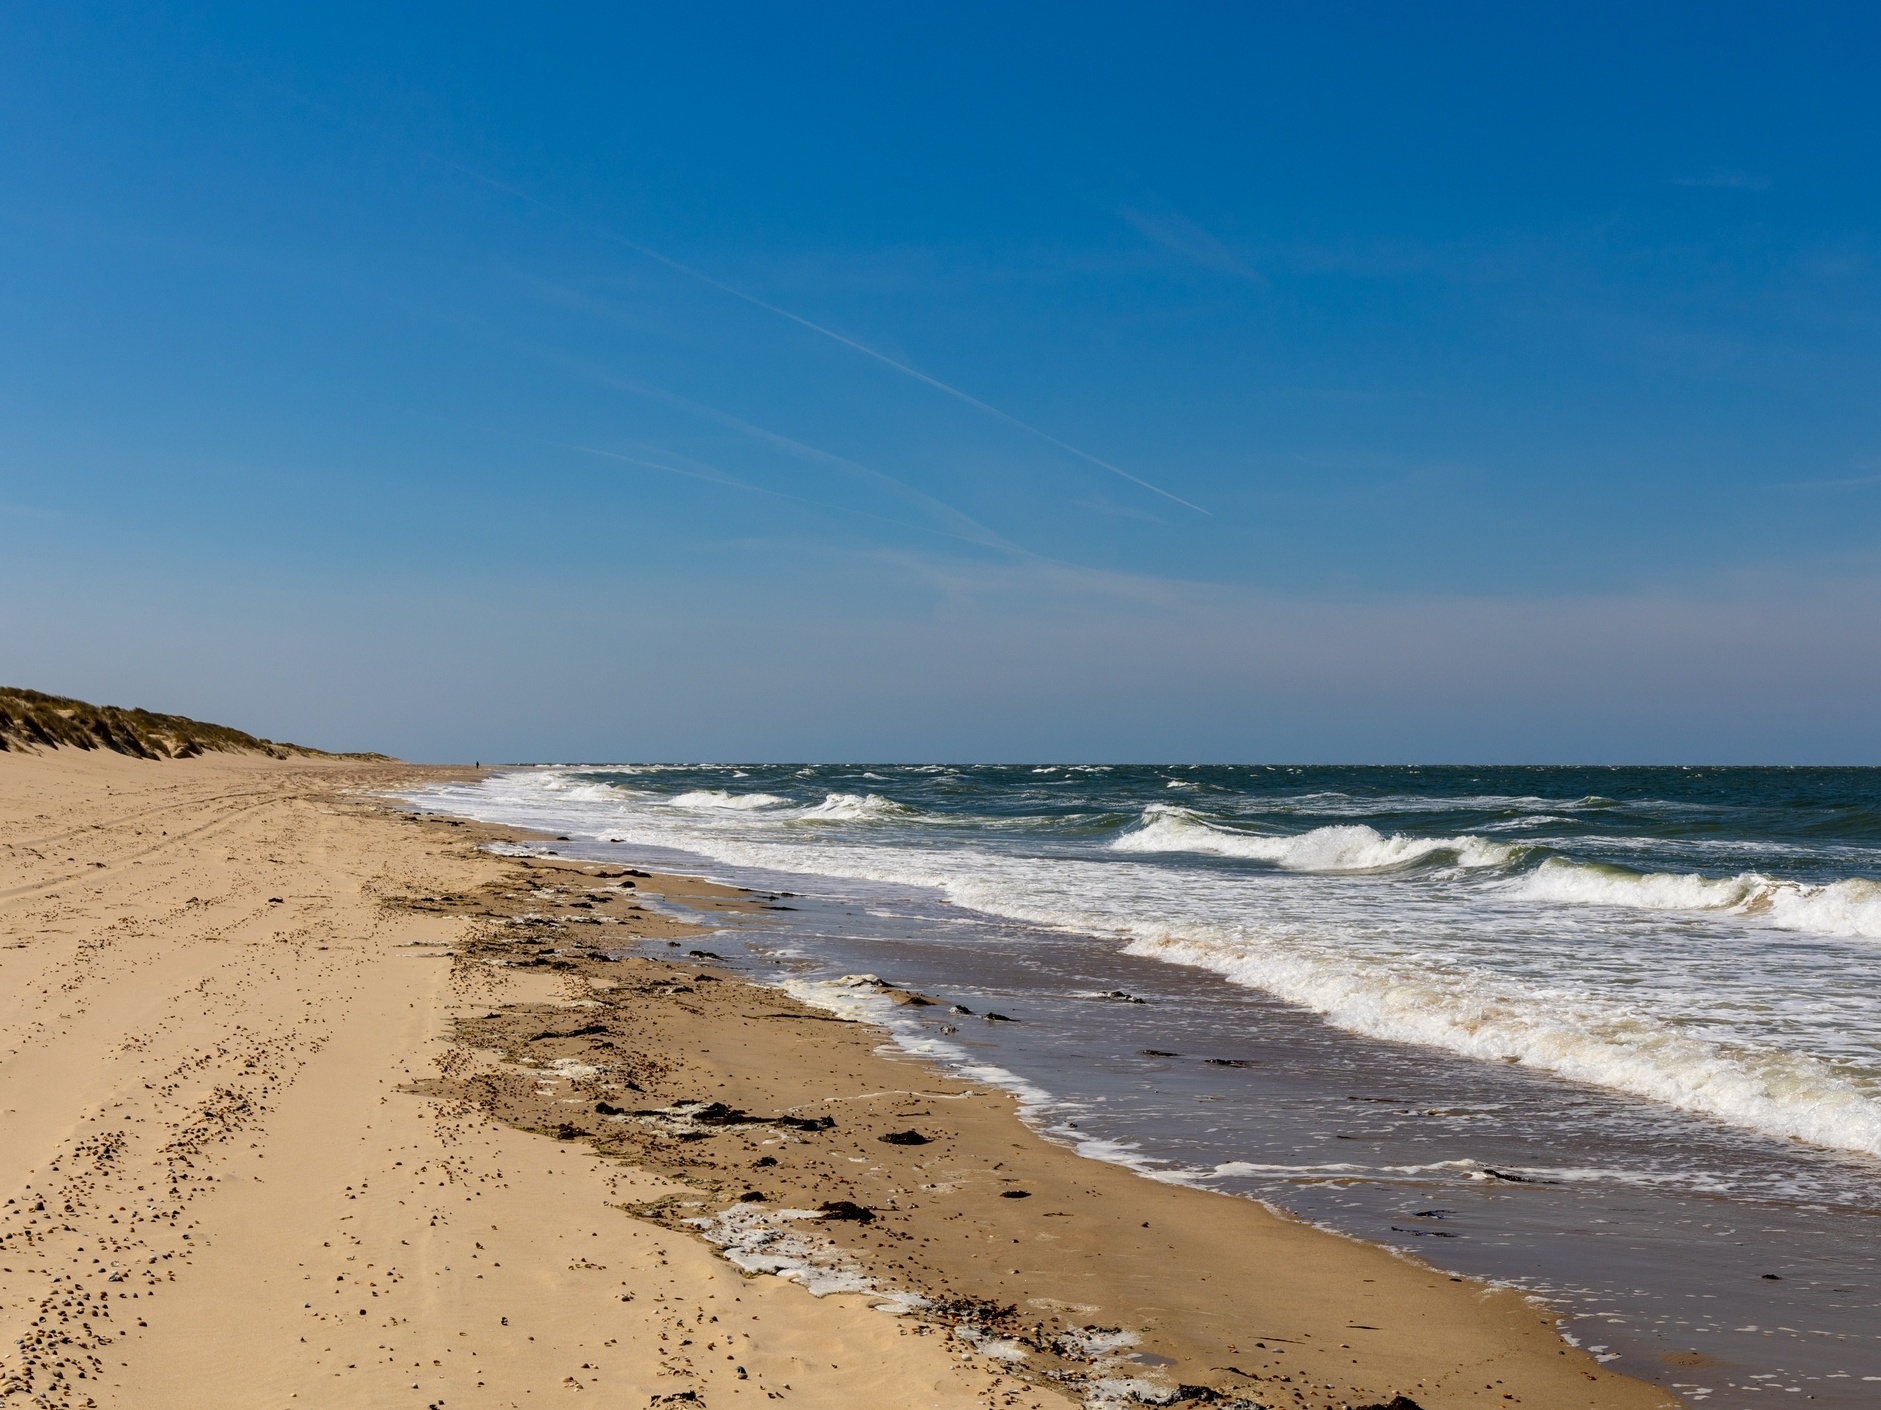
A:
(286, 1072)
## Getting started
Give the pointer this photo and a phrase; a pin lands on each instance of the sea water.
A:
(1610, 1035)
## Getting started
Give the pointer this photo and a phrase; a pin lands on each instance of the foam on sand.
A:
(758, 1239)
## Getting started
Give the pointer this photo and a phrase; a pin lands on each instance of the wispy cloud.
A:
(1183, 237)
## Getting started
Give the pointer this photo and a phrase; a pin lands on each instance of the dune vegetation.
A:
(31, 720)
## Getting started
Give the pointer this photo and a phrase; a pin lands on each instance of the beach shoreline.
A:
(363, 1000)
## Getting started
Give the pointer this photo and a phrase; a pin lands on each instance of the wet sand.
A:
(282, 1122)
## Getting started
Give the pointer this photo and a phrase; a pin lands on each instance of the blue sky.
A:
(1233, 382)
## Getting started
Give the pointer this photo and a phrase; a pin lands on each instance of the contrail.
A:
(732, 291)
(902, 368)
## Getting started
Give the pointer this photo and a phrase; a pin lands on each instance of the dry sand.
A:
(281, 1124)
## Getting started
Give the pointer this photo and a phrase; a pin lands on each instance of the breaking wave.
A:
(1349, 847)
(1850, 908)
(575, 789)
(856, 807)
(1578, 1037)
(710, 798)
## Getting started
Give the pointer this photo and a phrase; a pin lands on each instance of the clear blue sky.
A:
(1239, 382)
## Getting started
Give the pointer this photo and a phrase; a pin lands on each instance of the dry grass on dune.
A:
(31, 720)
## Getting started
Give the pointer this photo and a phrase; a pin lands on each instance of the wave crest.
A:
(718, 798)
(1850, 908)
(856, 807)
(1349, 847)
(1606, 1044)
(580, 790)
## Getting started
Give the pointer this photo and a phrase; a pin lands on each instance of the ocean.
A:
(1612, 1035)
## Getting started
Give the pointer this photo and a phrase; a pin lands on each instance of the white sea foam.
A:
(1127, 1390)
(1850, 907)
(1349, 847)
(998, 1348)
(1096, 1343)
